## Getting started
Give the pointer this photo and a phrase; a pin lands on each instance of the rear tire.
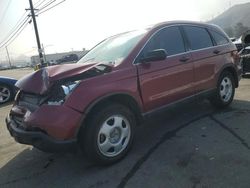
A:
(109, 133)
(224, 93)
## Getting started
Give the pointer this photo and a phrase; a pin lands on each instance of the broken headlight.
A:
(60, 92)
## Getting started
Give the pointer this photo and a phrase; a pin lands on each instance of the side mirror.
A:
(155, 55)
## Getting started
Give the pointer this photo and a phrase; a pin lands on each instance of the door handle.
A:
(216, 51)
(184, 59)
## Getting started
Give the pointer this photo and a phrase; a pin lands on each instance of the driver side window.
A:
(169, 39)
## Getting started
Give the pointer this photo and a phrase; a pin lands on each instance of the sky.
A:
(78, 24)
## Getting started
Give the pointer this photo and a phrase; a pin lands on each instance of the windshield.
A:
(114, 49)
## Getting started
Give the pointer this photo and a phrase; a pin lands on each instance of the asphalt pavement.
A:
(190, 145)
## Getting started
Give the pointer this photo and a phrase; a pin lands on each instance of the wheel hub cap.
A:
(226, 89)
(114, 136)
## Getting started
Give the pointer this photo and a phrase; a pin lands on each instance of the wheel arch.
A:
(120, 98)
(232, 70)
(9, 85)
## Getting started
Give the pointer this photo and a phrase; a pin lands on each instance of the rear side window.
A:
(198, 37)
(219, 38)
(169, 39)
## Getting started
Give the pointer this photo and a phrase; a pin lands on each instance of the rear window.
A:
(219, 38)
(198, 37)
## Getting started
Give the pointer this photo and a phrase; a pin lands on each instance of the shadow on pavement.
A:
(6, 104)
(36, 166)
(33, 168)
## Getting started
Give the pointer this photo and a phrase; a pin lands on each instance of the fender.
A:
(137, 108)
(109, 97)
(233, 69)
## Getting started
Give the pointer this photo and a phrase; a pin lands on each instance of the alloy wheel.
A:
(5, 94)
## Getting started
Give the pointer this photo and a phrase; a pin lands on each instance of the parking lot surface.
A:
(190, 145)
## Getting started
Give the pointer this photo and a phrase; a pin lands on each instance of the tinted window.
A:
(198, 37)
(169, 39)
(219, 38)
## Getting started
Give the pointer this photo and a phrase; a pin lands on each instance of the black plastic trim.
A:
(38, 139)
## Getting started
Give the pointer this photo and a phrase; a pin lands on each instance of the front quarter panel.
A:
(94, 89)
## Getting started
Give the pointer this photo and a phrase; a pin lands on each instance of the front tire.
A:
(109, 134)
(225, 90)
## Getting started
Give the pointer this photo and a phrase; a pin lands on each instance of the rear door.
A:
(163, 82)
(205, 55)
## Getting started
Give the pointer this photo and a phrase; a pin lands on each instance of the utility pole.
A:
(40, 51)
(44, 54)
(8, 55)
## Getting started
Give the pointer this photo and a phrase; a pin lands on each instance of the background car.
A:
(245, 52)
(245, 59)
(7, 89)
(68, 58)
(239, 45)
(233, 39)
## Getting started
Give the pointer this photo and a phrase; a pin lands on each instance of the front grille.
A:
(25, 103)
(30, 101)
(18, 121)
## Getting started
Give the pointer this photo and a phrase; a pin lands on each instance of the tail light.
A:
(237, 59)
(235, 55)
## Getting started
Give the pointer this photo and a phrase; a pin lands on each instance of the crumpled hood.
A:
(40, 81)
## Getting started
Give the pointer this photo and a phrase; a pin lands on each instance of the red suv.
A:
(96, 103)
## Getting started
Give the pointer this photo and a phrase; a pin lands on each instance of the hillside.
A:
(236, 14)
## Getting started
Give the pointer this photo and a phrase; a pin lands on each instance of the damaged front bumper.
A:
(38, 139)
(50, 128)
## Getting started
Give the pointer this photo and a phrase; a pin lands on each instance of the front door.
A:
(166, 81)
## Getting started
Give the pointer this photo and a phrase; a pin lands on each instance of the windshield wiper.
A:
(90, 59)
(104, 67)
